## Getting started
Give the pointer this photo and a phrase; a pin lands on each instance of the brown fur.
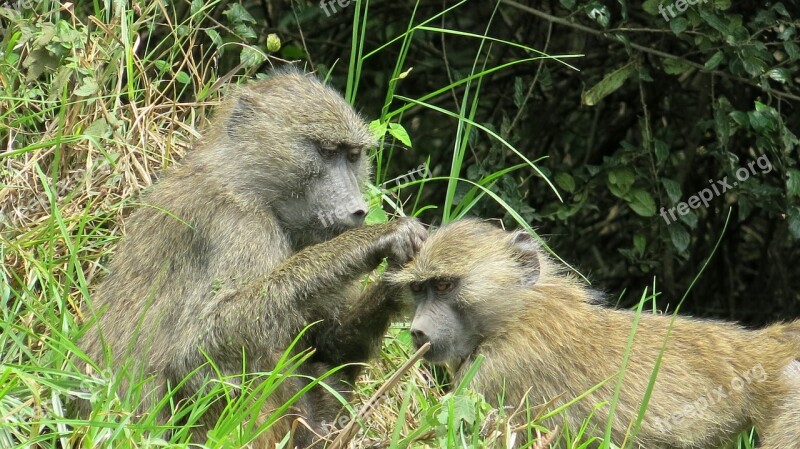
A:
(549, 339)
(230, 255)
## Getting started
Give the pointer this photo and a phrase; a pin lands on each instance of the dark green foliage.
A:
(675, 105)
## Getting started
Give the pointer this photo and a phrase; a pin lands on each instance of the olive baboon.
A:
(230, 259)
(481, 291)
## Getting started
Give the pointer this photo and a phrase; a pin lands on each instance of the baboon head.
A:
(466, 283)
(293, 145)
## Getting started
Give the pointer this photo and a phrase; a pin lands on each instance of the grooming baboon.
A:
(482, 291)
(230, 259)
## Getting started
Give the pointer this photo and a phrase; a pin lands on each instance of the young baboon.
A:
(229, 259)
(479, 290)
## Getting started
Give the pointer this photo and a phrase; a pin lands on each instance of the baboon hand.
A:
(402, 241)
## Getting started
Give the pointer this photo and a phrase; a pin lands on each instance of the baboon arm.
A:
(298, 292)
(359, 331)
(328, 266)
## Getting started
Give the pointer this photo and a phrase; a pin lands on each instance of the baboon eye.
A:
(415, 287)
(443, 286)
(325, 151)
(353, 156)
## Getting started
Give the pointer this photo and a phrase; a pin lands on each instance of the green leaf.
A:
(793, 183)
(624, 9)
(376, 214)
(781, 9)
(678, 25)
(519, 93)
(404, 337)
(740, 117)
(794, 221)
(245, 31)
(762, 119)
(237, 13)
(621, 177)
(619, 181)
(183, 77)
(464, 409)
(762, 107)
(675, 66)
(565, 181)
(679, 236)
(780, 74)
(789, 139)
(752, 63)
(792, 49)
(161, 65)
(197, 6)
(639, 243)
(714, 21)
(672, 188)
(722, 125)
(642, 203)
(738, 34)
(251, 57)
(98, 128)
(600, 14)
(88, 88)
(378, 129)
(214, 36)
(627, 43)
(661, 149)
(400, 133)
(714, 61)
(609, 84)
(690, 218)
(651, 6)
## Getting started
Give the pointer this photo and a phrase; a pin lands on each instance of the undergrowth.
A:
(96, 99)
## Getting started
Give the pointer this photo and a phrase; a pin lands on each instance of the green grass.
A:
(87, 123)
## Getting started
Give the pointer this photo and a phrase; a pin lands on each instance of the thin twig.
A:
(350, 429)
(535, 78)
(302, 38)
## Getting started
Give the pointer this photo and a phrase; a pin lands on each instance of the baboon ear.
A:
(527, 251)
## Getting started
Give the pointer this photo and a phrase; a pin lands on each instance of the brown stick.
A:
(350, 429)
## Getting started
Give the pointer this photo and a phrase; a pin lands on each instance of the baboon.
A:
(480, 290)
(229, 260)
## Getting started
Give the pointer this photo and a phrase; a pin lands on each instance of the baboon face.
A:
(441, 319)
(305, 150)
(331, 199)
(463, 282)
